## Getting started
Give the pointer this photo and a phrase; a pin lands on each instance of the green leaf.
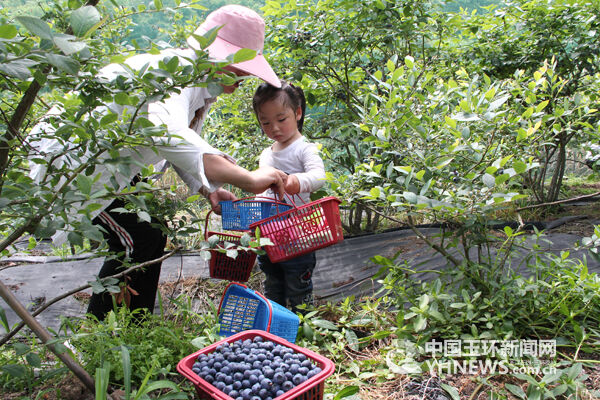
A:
(465, 117)
(8, 31)
(516, 390)
(420, 323)
(500, 179)
(75, 239)
(36, 27)
(108, 119)
(4, 320)
(410, 197)
(451, 391)
(352, 339)
(409, 61)
(243, 55)
(307, 331)
(63, 63)
(489, 180)
(15, 370)
(519, 167)
(21, 349)
(84, 184)
(325, 324)
(17, 69)
(144, 216)
(541, 106)
(158, 4)
(347, 391)
(192, 199)
(84, 19)
(34, 360)
(67, 46)
(126, 361)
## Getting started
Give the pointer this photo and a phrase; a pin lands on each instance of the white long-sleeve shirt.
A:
(181, 146)
(301, 158)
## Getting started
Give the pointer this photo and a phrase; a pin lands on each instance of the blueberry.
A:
(256, 388)
(306, 363)
(253, 379)
(246, 383)
(294, 368)
(237, 385)
(196, 370)
(247, 374)
(298, 379)
(246, 393)
(257, 364)
(268, 372)
(303, 370)
(279, 393)
(220, 385)
(228, 380)
(279, 378)
(234, 393)
(209, 378)
(263, 393)
(288, 375)
(266, 383)
(238, 376)
(287, 385)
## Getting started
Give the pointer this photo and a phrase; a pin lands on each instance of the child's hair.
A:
(289, 95)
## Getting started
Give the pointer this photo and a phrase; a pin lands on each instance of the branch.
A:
(419, 234)
(86, 286)
(585, 196)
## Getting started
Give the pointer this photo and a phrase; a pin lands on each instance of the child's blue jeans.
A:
(289, 281)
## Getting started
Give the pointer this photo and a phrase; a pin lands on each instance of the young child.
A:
(280, 113)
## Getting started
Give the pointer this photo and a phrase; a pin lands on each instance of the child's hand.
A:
(292, 186)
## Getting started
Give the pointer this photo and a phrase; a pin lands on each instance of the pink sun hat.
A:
(241, 28)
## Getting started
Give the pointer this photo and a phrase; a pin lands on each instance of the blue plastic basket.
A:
(242, 309)
(239, 214)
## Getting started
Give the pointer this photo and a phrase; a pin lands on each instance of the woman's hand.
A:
(217, 196)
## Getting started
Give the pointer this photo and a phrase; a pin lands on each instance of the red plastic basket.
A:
(221, 266)
(311, 389)
(302, 229)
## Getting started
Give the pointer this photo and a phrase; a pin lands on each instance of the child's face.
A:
(279, 122)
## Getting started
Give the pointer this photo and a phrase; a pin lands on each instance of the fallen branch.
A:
(552, 203)
(419, 234)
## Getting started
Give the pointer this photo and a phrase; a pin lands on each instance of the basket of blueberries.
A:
(256, 365)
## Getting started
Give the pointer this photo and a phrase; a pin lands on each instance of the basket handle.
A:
(273, 200)
(206, 225)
